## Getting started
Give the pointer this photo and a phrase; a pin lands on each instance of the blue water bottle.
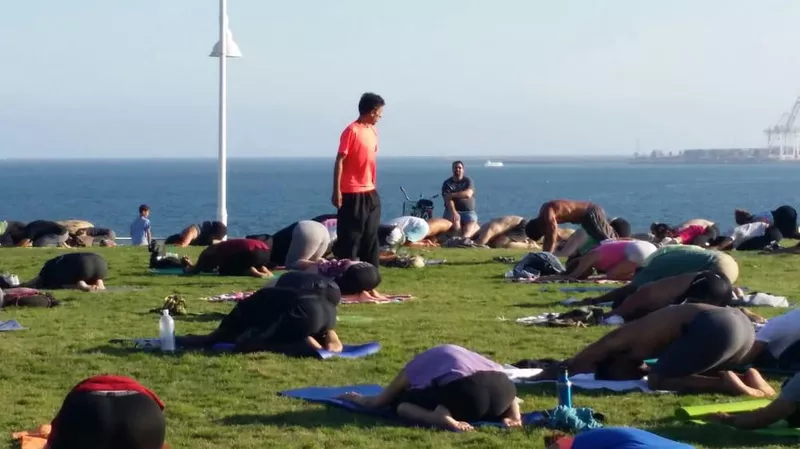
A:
(564, 387)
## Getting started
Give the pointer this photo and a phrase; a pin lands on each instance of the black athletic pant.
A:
(357, 227)
(109, 420)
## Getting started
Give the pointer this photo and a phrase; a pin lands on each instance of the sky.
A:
(114, 79)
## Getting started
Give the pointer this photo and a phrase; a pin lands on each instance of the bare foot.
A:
(752, 378)
(512, 422)
(82, 285)
(735, 385)
(100, 285)
(457, 426)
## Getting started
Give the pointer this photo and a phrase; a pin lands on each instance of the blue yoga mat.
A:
(328, 395)
(10, 325)
(348, 351)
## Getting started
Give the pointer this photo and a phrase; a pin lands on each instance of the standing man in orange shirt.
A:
(354, 191)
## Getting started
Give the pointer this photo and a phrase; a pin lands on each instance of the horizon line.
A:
(214, 158)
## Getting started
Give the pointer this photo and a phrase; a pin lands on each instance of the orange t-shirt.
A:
(359, 143)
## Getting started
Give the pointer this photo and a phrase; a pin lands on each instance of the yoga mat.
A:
(695, 414)
(328, 395)
(348, 351)
(179, 272)
(580, 381)
(10, 325)
(694, 411)
(588, 288)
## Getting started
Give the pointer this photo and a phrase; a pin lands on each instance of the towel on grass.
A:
(346, 299)
(592, 280)
(10, 325)
(582, 381)
(362, 299)
(330, 396)
(37, 439)
(761, 299)
(233, 296)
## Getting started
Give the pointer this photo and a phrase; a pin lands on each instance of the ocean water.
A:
(265, 195)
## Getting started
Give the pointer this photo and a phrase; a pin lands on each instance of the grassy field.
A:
(226, 401)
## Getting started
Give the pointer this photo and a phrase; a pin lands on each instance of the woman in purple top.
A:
(449, 386)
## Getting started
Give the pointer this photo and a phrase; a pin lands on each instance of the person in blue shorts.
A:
(458, 193)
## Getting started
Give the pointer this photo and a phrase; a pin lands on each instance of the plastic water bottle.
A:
(167, 332)
(564, 387)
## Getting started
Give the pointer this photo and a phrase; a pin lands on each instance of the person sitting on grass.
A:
(696, 345)
(617, 259)
(235, 257)
(278, 319)
(448, 386)
(109, 412)
(81, 271)
(204, 234)
(784, 407)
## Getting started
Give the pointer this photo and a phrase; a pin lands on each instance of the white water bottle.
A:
(167, 332)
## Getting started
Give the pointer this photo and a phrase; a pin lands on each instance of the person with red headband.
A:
(109, 412)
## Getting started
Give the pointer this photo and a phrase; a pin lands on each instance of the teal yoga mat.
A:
(179, 272)
(696, 413)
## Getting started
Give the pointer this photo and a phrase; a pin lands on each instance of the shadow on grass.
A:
(201, 317)
(327, 417)
(715, 436)
(125, 351)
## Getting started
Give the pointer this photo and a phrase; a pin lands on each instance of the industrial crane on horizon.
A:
(784, 131)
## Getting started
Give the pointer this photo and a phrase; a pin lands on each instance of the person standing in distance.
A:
(354, 191)
(458, 193)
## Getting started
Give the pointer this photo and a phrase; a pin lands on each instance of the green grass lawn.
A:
(227, 401)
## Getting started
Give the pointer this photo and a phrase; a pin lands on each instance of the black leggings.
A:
(357, 227)
(109, 420)
(759, 243)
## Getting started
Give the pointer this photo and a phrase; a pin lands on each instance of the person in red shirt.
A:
(354, 193)
(235, 257)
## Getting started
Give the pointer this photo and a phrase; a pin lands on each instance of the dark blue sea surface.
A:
(267, 194)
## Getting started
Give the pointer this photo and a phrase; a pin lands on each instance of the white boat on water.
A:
(493, 164)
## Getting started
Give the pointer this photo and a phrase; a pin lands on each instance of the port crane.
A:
(784, 131)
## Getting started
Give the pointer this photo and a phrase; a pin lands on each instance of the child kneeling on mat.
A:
(449, 386)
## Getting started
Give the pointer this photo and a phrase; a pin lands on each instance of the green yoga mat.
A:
(695, 414)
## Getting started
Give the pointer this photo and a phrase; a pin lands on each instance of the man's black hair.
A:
(370, 102)
(458, 163)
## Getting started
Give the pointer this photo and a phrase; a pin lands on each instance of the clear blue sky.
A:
(461, 77)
